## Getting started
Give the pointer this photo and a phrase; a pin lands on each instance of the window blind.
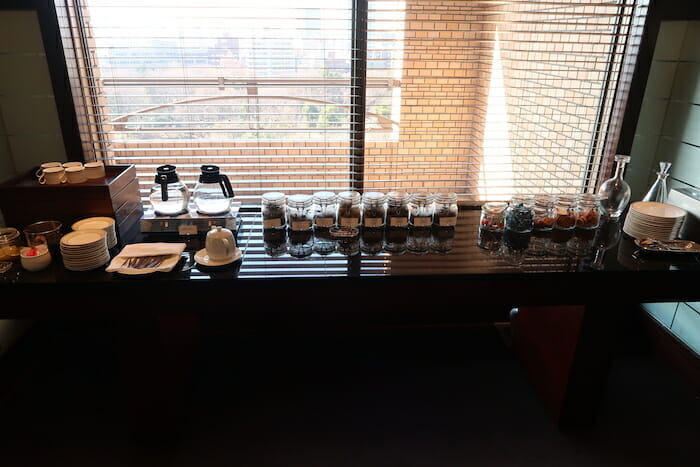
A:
(486, 98)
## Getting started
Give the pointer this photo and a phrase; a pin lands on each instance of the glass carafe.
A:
(615, 192)
(658, 191)
(213, 191)
(169, 196)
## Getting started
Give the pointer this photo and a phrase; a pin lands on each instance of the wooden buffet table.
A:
(569, 289)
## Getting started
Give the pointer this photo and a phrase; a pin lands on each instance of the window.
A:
(485, 98)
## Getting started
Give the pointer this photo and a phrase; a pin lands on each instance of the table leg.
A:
(567, 352)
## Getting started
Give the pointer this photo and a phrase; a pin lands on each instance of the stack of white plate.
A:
(649, 219)
(101, 223)
(83, 250)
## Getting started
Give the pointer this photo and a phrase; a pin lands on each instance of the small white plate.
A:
(94, 223)
(202, 258)
(79, 238)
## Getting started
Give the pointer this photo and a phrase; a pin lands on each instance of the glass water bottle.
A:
(615, 192)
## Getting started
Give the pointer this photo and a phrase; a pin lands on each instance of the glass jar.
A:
(588, 210)
(9, 236)
(520, 214)
(421, 207)
(274, 210)
(324, 244)
(566, 212)
(325, 207)
(493, 216)
(275, 242)
(300, 213)
(373, 210)
(442, 241)
(349, 209)
(397, 209)
(545, 213)
(445, 209)
(372, 241)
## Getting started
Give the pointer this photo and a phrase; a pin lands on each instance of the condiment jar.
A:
(493, 216)
(325, 207)
(445, 209)
(9, 236)
(566, 212)
(373, 209)
(300, 213)
(397, 209)
(349, 209)
(421, 208)
(588, 211)
(274, 210)
(545, 213)
(520, 214)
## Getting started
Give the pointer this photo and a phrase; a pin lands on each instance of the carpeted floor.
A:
(391, 397)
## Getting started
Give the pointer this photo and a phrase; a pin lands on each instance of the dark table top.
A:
(415, 268)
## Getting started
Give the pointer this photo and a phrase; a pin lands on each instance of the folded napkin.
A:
(147, 249)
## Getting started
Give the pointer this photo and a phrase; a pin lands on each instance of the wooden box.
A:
(24, 201)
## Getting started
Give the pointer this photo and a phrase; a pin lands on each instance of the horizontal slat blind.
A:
(495, 97)
(486, 98)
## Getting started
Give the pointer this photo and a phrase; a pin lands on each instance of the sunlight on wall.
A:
(496, 174)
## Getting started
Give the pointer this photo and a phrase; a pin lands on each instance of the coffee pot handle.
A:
(226, 187)
(163, 180)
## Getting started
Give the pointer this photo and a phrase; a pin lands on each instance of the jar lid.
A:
(495, 207)
(325, 196)
(353, 196)
(398, 196)
(447, 197)
(422, 197)
(274, 196)
(299, 201)
(566, 199)
(522, 199)
(373, 197)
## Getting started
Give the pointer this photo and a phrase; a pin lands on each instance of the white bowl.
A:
(35, 263)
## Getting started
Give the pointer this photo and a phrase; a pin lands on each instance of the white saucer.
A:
(202, 258)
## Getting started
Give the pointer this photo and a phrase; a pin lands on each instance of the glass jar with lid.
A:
(274, 210)
(397, 209)
(418, 241)
(493, 216)
(545, 213)
(520, 214)
(349, 210)
(445, 209)
(373, 209)
(421, 207)
(395, 240)
(325, 207)
(588, 210)
(566, 212)
(301, 243)
(300, 213)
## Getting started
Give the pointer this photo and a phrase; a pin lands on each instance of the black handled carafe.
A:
(169, 196)
(213, 192)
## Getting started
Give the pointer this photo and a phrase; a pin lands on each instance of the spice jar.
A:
(349, 209)
(373, 209)
(274, 210)
(493, 216)
(445, 209)
(421, 208)
(545, 212)
(325, 207)
(520, 214)
(397, 209)
(588, 210)
(566, 212)
(299, 213)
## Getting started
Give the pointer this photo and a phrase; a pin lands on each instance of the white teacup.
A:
(45, 166)
(76, 174)
(53, 176)
(94, 170)
(220, 244)
(72, 164)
